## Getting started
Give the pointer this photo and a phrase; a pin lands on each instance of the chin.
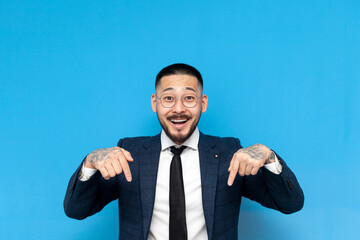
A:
(179, 137)
(176, 135)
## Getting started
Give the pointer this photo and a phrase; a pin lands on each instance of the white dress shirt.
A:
(195, 220)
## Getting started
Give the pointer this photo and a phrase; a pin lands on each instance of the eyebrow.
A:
(186, 88)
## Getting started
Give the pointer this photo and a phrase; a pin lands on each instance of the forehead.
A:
(178, 82)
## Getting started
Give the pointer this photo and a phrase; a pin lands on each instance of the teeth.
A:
(178, 120)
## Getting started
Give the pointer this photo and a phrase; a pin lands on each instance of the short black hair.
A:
(179, 69)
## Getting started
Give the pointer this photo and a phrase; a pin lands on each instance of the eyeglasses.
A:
(168, 100)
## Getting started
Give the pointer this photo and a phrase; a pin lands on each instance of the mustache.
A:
(179, 116)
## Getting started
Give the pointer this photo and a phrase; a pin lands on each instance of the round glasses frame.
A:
(183, 100)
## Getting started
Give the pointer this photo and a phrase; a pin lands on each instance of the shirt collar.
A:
(191, 142)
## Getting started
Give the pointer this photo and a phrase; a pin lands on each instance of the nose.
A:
(179, 106)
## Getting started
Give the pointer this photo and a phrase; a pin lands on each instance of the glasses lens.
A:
(189, 100)
(168, 100)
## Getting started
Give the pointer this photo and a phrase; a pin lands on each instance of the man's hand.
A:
(248, 161)
(110, 162)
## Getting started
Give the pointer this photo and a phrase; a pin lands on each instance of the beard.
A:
(178, 138)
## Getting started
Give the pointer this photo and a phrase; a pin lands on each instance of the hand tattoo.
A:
(101, 155)
(255, 151)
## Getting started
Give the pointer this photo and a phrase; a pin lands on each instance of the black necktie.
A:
(177, 229)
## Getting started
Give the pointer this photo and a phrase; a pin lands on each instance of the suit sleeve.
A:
(281, 192)
(86, 198)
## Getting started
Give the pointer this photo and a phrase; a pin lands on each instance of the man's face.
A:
(179, 122)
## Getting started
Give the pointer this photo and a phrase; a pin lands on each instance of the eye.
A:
(167, 98)
(189, 98)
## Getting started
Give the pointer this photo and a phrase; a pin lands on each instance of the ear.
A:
(204, 102)
(153, 102)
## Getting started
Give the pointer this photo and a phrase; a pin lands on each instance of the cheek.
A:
(161, 112)
(196, 113)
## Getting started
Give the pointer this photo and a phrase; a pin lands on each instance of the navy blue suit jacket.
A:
(221, 203)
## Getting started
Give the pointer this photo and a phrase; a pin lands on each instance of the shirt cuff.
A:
(86, 173)
(274, 167)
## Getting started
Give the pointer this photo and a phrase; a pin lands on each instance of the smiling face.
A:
(179, 122)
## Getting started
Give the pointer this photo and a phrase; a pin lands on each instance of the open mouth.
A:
(179, 121)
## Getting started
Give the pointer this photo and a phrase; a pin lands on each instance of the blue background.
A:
(78, 75)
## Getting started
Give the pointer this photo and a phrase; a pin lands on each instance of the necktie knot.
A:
(177, 151)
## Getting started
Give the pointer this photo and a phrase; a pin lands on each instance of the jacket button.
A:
(216, 156)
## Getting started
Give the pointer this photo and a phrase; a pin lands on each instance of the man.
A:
(180, 184)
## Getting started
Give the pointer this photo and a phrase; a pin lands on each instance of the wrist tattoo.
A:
(271, 158)
(254, 151)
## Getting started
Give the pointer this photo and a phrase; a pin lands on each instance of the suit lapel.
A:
(208, 156)
(148, 174)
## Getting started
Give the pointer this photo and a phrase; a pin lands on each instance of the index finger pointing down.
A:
(125, 167)
(232, 175)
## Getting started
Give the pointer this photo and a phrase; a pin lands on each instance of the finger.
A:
(242, 168)
(254, 170)
(117, 167)
(232, 161)
(109, 168)
(125, 167)
(104, 173)
(233, 172)
(248, 169)
(230, 166)
(127, 155)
